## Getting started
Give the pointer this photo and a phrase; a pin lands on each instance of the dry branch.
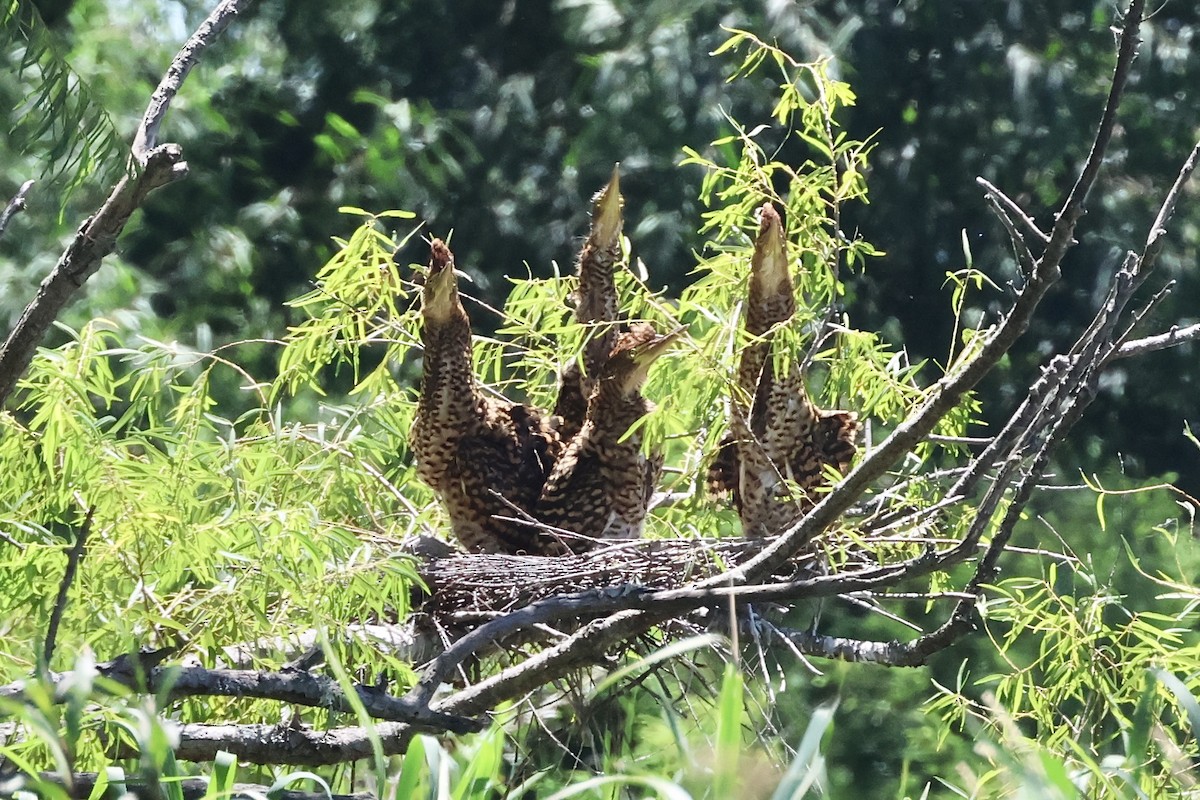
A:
(155, 166)
(283, 744)
(15, 206)
(83, 784)
(295, 687)
(1149, 344)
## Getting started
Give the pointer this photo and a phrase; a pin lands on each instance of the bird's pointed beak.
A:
(440, 295)
(659, 345)
(770, 263)
(606, 213)
(647, 354)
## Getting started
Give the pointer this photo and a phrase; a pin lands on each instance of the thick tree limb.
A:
(279, 744)
(156, 166)
(299, 688)
(84, 783)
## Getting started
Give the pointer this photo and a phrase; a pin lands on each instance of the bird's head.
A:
(606, 214)
(439, 297)
(634, 353)
(769, 268)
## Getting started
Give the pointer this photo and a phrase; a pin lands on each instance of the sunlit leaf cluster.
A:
(206, 532)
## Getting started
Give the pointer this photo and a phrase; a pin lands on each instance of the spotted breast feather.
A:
(773, 462)
(486, 457)
(600, 488)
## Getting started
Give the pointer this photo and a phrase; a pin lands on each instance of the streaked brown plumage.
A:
(596, 305)
(601, 486)
(780, 436)
(486, 457)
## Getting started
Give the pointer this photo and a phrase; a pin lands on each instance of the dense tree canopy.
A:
(498, 120)
(494, 123)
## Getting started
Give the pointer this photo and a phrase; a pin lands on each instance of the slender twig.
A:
(1143, 313)
(1025, 259)
(1158, 230)
(1072, 210)
(16, 205)
(1008, 209)
(1149, 344)
(74, 556)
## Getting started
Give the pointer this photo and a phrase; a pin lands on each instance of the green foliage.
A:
(207, 531)
(1098, 668)
(220, 522)
(59, 117)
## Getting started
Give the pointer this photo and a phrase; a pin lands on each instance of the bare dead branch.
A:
(1072, 210)
(839, 648)
(299, 688)
(281, 744)
(15, 205)
(586, 646)
(146, 138)
(1143, 313)
(1149, 344)
(590, 604)
(1025, 259)
(1158, 230)
(1008, 209)
(157, 165)
(302, 688)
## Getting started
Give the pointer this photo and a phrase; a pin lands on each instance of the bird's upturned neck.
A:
(768, 306)
(612, 410)
(448, 390)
